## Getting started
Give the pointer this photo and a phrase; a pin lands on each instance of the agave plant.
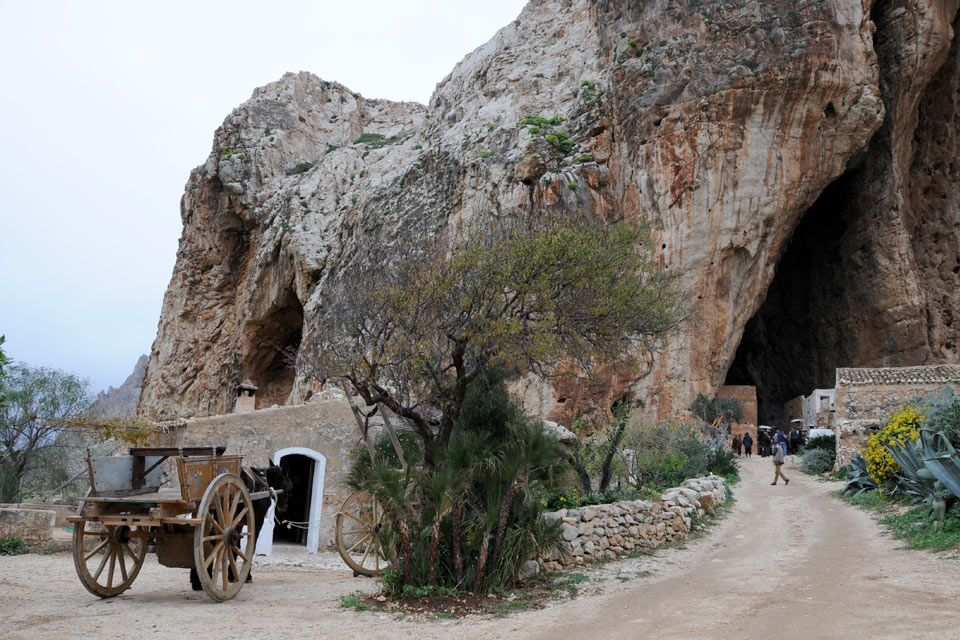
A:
(941, 459)
(858, 480)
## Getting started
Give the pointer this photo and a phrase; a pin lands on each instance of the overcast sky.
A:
(105, 107)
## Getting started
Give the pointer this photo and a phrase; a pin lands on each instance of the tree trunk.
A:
(585, 483)
(434, 551)
(515, 487)
(608, 459)
(482, 560)
(456, 533)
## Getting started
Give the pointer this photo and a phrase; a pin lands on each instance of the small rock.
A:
(529, 569)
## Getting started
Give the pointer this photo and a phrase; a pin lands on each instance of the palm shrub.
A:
(471, 519)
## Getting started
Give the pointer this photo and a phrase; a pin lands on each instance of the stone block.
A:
(34, 526)
(569, 532)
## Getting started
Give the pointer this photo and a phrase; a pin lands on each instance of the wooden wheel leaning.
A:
(108, 557)
(363, 535)
(223, 544)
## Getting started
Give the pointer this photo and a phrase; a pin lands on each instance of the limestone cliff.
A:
(723, 122)
(122, 401)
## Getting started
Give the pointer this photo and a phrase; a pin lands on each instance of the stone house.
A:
(748, 396)
(865, 397)
(312, 441)
(817, 407)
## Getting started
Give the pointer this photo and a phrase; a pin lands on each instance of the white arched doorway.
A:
(265, 540)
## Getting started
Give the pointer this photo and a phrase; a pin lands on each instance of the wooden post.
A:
(360, 422)
(393, 438)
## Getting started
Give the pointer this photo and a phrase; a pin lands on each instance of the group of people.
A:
(742, 444)
(782, 444)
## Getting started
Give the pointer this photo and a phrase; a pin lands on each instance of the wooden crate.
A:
(196, 473)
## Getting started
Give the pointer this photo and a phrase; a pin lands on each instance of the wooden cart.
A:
(207, 524)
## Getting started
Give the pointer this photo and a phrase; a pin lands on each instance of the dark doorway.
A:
(299, 468)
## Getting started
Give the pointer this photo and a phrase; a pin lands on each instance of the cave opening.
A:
(271, 338)
(795, 341)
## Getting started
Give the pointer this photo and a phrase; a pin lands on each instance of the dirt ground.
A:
(787, 562)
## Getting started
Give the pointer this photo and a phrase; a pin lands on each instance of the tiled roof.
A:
(931, 374)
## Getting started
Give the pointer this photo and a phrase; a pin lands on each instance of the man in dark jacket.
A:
(747, 444)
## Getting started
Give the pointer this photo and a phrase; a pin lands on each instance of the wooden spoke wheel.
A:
(108, 557)
(364, 537)
(223, 545)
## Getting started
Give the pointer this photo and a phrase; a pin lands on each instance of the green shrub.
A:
(12, 547)
(827, 443)
(941, 412)
(302, 167)
(664, 454)
(723, 462)
(485, 154)
(534, 130)
(586, 157)
(817, 461)
(572, 186)
(332, 147)
(369, 138)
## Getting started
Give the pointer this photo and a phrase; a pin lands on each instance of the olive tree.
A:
(411, 328)
(421, 328)
(37, 400)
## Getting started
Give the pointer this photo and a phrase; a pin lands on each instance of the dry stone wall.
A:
(607, 531)
(32, 525)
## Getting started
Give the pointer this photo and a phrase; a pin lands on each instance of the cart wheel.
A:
(363, 535)
(223, 545)
(108, 557)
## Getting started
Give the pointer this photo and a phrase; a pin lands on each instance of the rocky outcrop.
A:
(121, 402)
(721, 122)
(870, 277)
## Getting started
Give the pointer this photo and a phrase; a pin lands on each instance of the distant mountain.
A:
(121, 402)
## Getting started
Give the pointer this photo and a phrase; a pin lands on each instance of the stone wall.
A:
(862, 403)
(607, 531)
(325, 425)
(33, 525)
(61, 511)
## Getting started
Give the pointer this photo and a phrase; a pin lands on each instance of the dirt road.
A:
(788, 562)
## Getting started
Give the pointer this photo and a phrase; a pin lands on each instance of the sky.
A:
(105, 107)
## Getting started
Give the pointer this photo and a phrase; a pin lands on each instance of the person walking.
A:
(780, 440)
(735, 445)
(747, 444)
(778, 457)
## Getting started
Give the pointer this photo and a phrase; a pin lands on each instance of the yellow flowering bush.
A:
(899, 427)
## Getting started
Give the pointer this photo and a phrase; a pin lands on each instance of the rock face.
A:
(721, 122)
(121, 402)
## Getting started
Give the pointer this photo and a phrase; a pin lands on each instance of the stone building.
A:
(748, 396)
(313, 442)
(817, 407)
(792, 410)
(865, 397)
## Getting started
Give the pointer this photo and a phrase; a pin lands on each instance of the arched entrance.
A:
(307, 468)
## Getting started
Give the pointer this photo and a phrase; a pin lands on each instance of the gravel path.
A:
(787, 562)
